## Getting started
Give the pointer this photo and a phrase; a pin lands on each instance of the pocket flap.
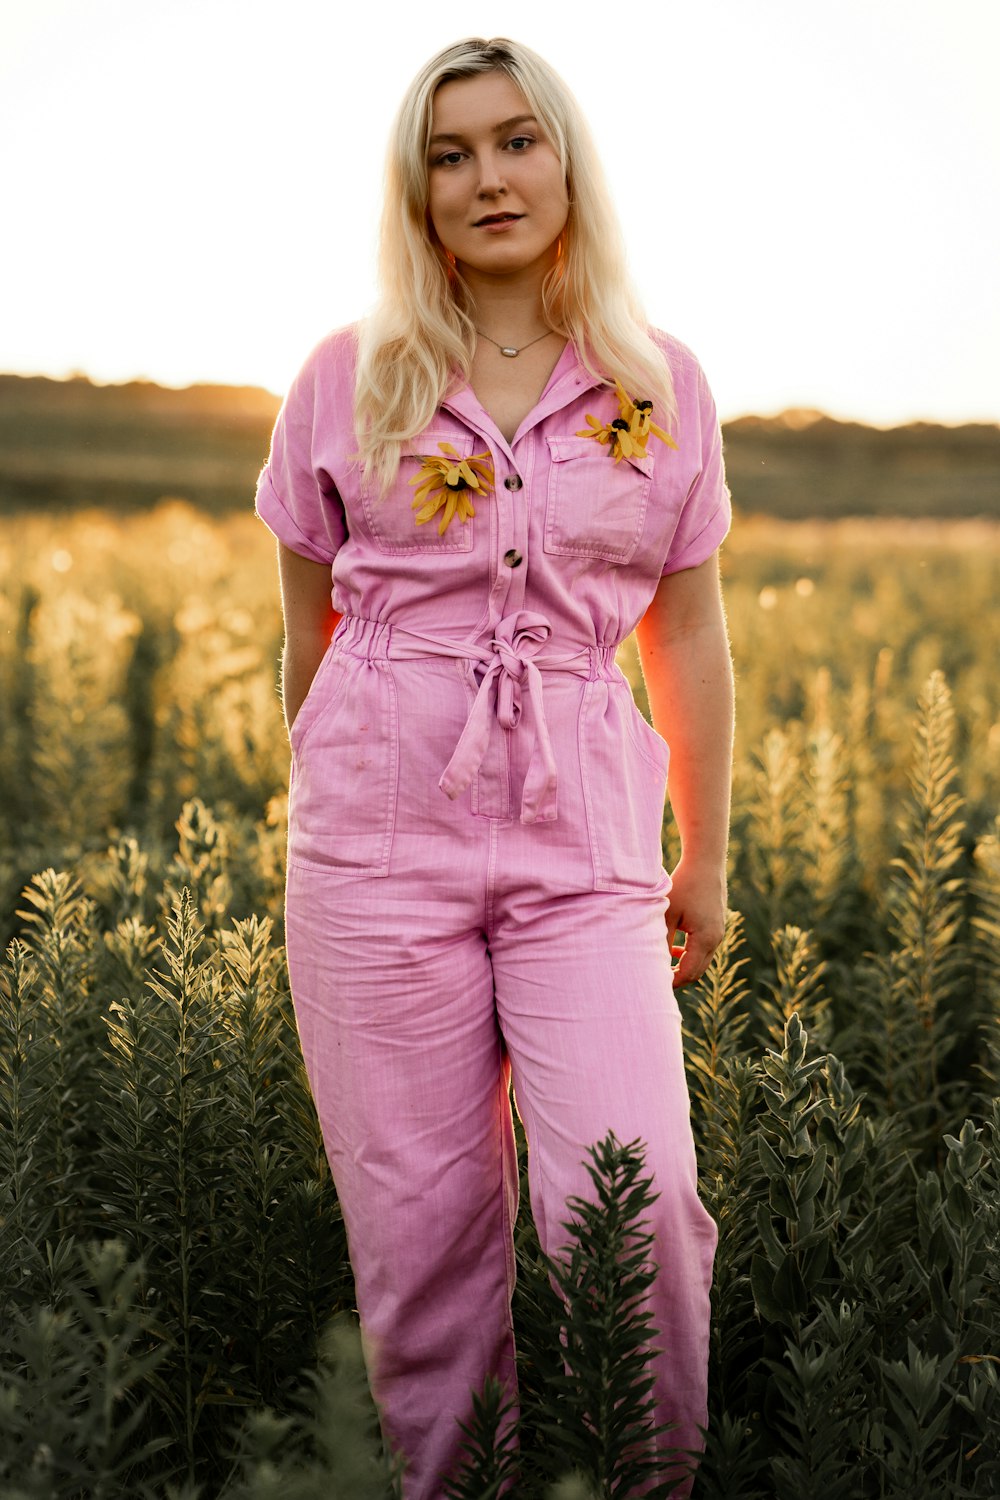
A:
(562, 449)
(426, 444)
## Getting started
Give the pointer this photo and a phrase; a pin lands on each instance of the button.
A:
(512, 482)
(513, 559)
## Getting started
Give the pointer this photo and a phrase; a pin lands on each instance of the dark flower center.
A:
(460, 484)
(643, 405)
(621, 424)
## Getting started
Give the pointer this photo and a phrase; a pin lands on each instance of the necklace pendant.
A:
(510, 353)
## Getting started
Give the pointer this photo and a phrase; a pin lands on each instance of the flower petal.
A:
(444, 484)
(449, 511)
(428, 513)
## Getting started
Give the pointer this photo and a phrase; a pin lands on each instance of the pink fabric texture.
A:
(475, 883)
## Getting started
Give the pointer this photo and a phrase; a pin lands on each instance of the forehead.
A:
(464, 106)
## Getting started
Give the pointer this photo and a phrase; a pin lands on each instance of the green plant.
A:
(152, 1095)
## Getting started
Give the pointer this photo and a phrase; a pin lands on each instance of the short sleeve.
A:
(707, 512)
(296, 498)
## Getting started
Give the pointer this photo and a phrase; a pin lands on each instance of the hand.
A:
(698, 909)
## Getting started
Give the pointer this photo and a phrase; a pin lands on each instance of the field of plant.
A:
(171, 1250)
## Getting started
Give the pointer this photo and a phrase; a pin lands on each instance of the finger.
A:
(694, 960)
(681, 959)
(685, 974)
(682, 974)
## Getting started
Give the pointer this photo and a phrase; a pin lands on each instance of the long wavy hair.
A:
(419, 340)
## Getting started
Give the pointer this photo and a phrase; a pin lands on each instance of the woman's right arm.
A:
(310, 621)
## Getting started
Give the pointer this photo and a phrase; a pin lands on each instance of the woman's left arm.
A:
(684, 650)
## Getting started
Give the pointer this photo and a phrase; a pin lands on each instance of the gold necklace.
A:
(508, 349)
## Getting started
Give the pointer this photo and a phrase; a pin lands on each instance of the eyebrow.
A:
(497, 129)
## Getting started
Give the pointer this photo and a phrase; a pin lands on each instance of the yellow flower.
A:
(630, 431)
(445, 484)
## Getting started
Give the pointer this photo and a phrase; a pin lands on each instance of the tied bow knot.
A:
(518, 640)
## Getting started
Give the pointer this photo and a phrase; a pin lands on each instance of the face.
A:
(497, 195)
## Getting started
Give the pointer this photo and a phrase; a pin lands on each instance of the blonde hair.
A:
(418, 341)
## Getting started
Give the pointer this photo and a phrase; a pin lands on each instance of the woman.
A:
(475, 882)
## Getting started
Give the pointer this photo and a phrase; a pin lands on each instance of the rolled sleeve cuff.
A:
(701, 547)
(277, 519)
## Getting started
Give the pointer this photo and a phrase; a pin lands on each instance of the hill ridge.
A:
(257, 397)
(73, 442)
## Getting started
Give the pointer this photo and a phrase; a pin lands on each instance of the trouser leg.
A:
(586, 1005)
(394, 1005)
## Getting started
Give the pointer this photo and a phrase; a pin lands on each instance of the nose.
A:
(491, 182)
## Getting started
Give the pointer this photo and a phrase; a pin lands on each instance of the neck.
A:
(508, 307)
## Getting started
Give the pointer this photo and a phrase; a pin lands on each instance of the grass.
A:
(171, 1248)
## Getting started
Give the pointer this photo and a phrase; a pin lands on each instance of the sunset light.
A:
(809, 193)
(499, 819)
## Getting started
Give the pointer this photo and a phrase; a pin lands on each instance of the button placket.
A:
(509, 541)
(501, 537)
(512, 557)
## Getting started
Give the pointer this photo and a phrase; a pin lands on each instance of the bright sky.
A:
(810, 190)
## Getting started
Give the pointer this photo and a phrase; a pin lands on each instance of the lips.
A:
(498, 219)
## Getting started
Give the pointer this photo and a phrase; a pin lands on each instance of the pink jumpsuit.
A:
(475, 877)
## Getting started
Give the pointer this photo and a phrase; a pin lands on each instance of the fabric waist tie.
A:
(514, 660)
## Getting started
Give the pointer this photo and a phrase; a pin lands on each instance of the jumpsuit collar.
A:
(568, 380)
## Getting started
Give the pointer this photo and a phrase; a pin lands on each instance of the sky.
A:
(810, 191)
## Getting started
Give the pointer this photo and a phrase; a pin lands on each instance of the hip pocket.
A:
(624, 788)
(594, 506)
(342, 795)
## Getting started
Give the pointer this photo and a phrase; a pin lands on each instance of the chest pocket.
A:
(594, 507)
(391, 518)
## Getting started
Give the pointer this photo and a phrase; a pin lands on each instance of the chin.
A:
(509, 260)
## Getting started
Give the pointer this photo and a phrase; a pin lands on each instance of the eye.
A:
(519, 143)
(448, 159)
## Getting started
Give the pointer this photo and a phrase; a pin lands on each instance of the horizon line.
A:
(804, 415)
